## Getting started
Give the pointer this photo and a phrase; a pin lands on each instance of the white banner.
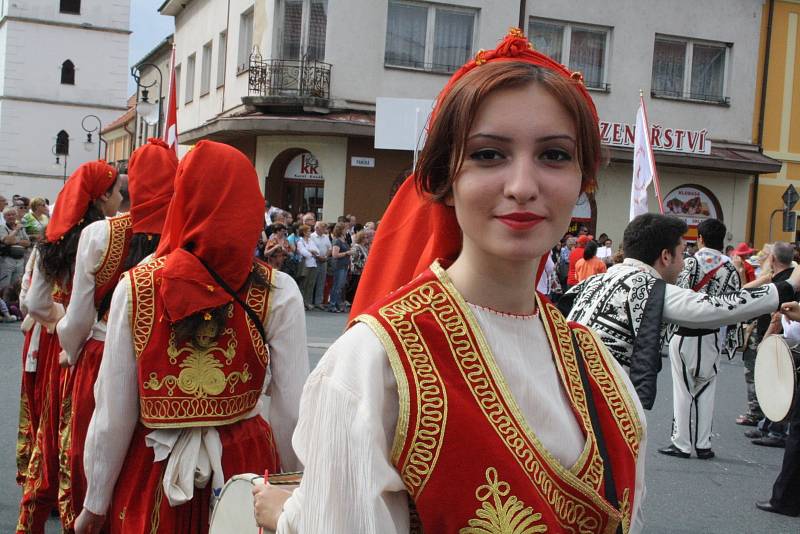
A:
(644, 167)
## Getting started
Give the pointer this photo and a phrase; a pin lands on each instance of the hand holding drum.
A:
(791, 309)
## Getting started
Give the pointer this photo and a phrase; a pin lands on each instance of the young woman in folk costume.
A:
(89, 195)
(463, 393)
(185, 363)
(106, 249)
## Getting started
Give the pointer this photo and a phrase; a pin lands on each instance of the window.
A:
(581, 48)
(690, 70)
(205, 70)
(72, 7)
(177, 85)
(222, 49)
(189, 93)
(431, 38)
(68, 73)
(245, 41)
(304, 29)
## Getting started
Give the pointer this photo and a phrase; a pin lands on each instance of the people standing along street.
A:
(14, 244)
(471, 329)
(694, 353)
(589, 264)
(106, 249)
(35, 221)
(575, 255)
(340, 256)
(361, 243)
(195, 338)
(309, 253)
(320, 238)
(90, 194)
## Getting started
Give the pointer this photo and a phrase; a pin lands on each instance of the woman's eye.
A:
(486, 155)
(556, 155)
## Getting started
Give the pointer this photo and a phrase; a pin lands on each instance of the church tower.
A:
(63, 66)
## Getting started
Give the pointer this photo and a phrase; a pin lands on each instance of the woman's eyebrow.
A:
(503, 138)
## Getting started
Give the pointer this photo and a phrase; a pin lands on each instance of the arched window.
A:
(62, 143)
(68, 73)
(72, 7)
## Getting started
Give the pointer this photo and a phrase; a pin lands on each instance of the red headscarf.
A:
(415, 231)
(216, 215)
(151, 177)
(85, 185)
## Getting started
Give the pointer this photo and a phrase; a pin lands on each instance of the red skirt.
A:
(40, 489)
(139, 505)
(77, 410)
(30, 404)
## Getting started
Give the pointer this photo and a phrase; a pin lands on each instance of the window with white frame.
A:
(189, 92)
(690, 69)
(222, 49)
(580, 47)
(205, 69)
(428, 37)
(303, 29)
(245, 41)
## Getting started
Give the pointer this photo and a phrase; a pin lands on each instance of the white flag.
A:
(644, 166)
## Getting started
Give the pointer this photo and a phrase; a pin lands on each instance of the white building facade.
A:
(60, 61)
(303, 109)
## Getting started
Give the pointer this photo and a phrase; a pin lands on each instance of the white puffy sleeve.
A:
(286, 335)
(39, 300)
(348, 415)
(76, 326)
(116, 406)
(685, 307)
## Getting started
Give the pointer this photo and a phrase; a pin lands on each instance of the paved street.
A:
(683, 496)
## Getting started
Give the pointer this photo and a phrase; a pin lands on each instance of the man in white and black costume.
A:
(629, 305)
(695, 352)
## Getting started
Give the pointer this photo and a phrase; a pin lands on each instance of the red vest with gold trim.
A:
(120, 232)
(181, 385)
(468, 459)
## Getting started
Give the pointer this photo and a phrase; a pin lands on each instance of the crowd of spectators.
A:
(22, 224)
(325, 259)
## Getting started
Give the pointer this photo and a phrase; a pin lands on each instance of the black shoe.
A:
(753, 433)
(704, 454)
(768, 507)
(769, 441)
(672, 450)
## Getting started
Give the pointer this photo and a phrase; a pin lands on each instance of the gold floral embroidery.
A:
(143, 302)
(24, 437)
(201, 371)
(498, 517)
(625, 508)
(113, 257)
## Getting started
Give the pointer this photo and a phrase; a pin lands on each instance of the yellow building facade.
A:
(776, 123)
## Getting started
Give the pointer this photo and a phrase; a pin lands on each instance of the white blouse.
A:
(348, 415)
(117, 399)
(39, 300)
(80, 321)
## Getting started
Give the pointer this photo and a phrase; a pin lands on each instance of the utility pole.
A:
(522, 10)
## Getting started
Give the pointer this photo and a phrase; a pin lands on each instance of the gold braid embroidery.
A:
(431, 394)
(116, 246)
(623, 413)
(498, 517)
(144, 311)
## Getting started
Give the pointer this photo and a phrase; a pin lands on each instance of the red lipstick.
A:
(520, 220)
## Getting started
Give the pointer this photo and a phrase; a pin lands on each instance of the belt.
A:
(695, 332)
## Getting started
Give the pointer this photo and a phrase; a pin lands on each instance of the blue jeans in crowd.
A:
(337, 291)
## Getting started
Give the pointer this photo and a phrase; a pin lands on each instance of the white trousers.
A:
(695, 363)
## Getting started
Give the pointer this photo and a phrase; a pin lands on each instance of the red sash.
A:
(707, 278)
(181, 385)
(120, 231)
(467, 457)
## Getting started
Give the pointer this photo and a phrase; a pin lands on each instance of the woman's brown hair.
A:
(440, 160)
(303, 230)
(338, 230)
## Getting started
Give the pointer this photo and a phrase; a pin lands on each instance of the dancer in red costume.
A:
(90, 194)
(106, 249)
(463, 401)
(185, 362)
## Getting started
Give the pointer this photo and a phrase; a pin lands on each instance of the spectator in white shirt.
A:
(320, 238)
(606, 251)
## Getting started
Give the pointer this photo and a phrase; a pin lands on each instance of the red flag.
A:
(171, 126)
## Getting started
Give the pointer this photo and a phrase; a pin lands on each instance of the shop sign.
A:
(667, 139)
(581, 214)
(693, 204)
(357, 161)
(304, 167)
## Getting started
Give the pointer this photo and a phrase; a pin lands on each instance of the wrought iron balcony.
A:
(288, 85)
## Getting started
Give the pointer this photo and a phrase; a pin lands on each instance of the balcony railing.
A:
(691, 97)
(292, 78)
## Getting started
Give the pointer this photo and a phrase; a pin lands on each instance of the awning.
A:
(725, 156)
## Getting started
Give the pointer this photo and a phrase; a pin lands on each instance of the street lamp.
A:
(149, 111)
(59, 154)
(89, 143)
